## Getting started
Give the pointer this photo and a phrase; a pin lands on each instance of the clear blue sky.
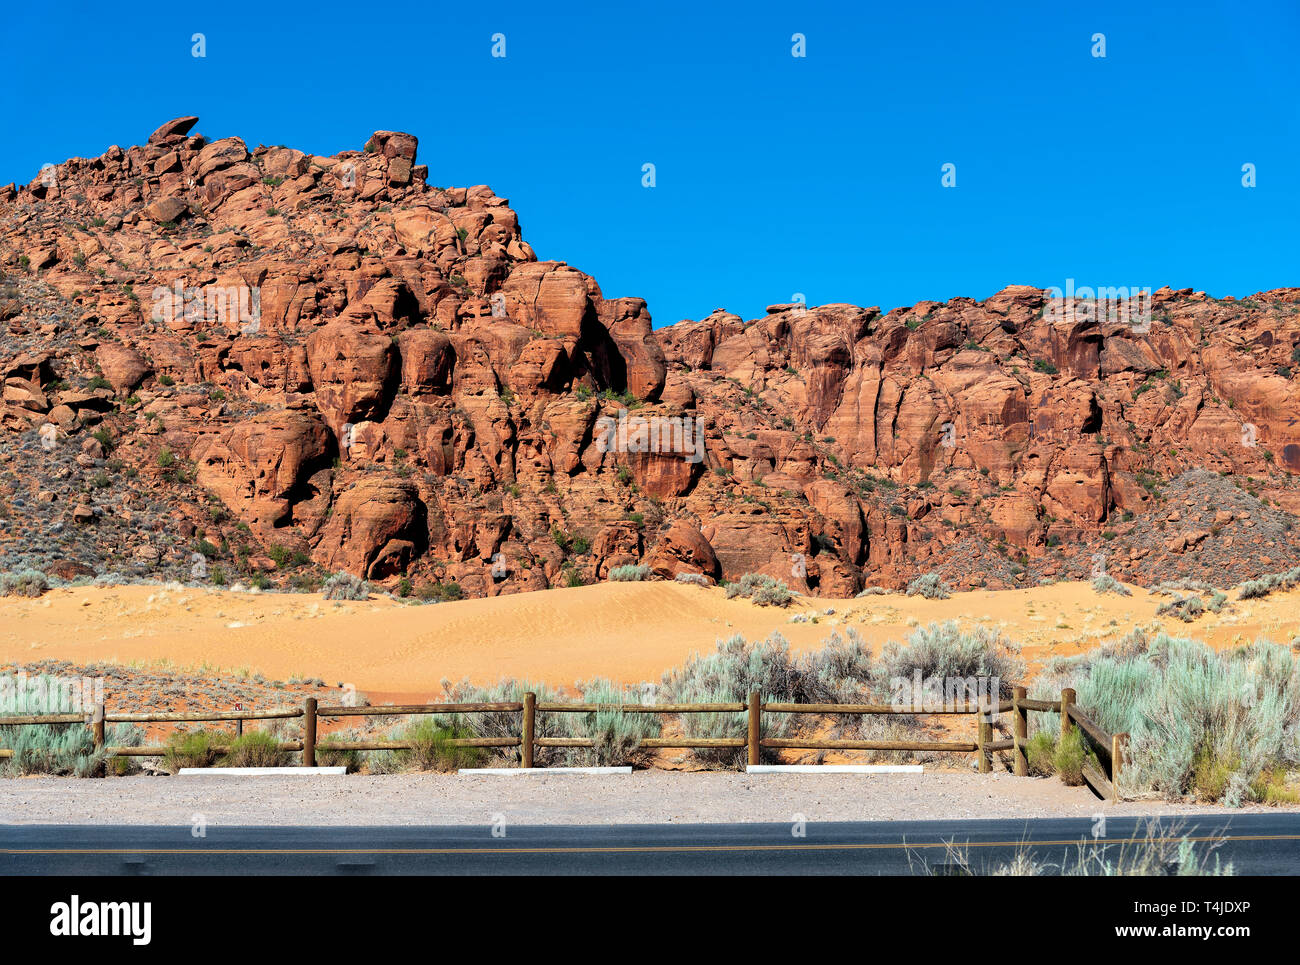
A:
(775, 174)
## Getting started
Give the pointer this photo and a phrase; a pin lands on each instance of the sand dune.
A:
(627, 632)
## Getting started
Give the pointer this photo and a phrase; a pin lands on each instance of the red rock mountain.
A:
(296, 364)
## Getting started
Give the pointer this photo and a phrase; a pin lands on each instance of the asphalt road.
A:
(1260, 844)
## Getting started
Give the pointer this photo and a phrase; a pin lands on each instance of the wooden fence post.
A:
(309, 732)
(1118, 747)
(97, 725)
(1067, 700)
(1019, 733)
(529, 729)
(984, 737)
(752, 735)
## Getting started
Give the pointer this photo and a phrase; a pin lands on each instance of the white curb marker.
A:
(511, 771)
(263, 771)
(833, 769)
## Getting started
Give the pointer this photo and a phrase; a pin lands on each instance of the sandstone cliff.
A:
(235, 360)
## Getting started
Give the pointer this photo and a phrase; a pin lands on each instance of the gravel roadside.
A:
(643, 797)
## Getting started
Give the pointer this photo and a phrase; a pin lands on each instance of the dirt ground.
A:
(626, 632)
(643, 797)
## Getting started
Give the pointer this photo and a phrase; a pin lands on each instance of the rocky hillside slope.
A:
(225, 363)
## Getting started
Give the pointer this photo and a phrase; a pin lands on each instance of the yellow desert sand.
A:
(627, 632)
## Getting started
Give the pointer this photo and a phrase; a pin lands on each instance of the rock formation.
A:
(293, 364)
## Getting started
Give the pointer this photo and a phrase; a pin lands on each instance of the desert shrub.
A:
(694, 579)
(385, 762)
(617, 735)
(629, 574)
(874, 591)
(506, 723)
(434, 750)
(841, 672)
(729, 675)
(257, 748)
(763, 590)
(1271, 787)
(1108, 584)
(1266, 584)
(330, 755)
(1185, 608)
(1211, 775)
(1200, 722)
(194, 748)
(345, 586)
(930, 586)
(1181, 586)
(944, 650)
(1069, 756)
(440, 592)
(775, 593)
(1041, 752)
(1217, 602)
(23, 583)
(62, 749)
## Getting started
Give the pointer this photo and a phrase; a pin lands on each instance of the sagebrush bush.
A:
(617, 735)
(345, 586)
(1185, 608)
(1262, 585)
(62, 749)
(944, 650)
(30, 583)
(1108, 584)
(930, 586)
(694, 579)
(1181, 586)
(763, 590)
(507, 723)
(874, 591)
(1200, 722)
(629, 573)
(1266, 584)
(841, 672)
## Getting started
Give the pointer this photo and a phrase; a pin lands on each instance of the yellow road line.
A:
(626, 849)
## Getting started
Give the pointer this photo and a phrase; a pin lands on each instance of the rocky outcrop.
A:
(682, 548)
(329, 360)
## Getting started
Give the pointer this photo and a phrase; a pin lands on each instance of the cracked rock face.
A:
(330, 359)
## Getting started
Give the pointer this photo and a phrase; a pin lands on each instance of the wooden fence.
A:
(1109, 747)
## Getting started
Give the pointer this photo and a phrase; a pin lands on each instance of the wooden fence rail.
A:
(1110, 747)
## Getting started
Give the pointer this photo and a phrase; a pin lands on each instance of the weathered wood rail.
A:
(1110, 748)
(1105, 782)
